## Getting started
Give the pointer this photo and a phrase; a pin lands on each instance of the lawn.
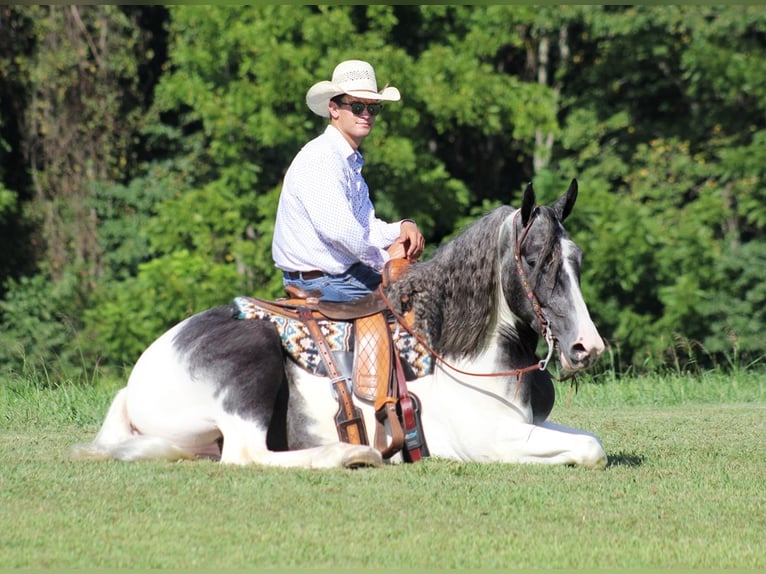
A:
(684, 488)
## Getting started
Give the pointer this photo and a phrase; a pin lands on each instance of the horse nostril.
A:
(578, 350)
(584, 356)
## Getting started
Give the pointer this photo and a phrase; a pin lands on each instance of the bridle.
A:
(543, 321)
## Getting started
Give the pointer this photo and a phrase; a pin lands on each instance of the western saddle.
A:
(377, 374)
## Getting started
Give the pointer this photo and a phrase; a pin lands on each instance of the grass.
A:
(684, 488)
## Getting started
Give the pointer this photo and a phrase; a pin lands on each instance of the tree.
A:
(666, 140)
(70, 84)
(16, 258)
(659, 111)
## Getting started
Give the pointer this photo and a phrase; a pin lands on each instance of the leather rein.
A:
(545, 329)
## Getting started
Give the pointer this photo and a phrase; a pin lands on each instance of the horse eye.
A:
(532, 263)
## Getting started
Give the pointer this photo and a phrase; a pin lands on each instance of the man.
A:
(327, 237)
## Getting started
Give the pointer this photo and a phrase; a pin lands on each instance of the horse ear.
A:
(565, 203)
(527, 204)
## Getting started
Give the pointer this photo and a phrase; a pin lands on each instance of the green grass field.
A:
(684, 488)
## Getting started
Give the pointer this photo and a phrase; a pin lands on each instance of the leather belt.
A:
(314, 274)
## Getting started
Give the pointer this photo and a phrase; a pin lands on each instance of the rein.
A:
(544, 323)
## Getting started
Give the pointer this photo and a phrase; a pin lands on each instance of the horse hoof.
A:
(367, 458)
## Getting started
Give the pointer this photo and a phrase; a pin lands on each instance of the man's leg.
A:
(359, 280)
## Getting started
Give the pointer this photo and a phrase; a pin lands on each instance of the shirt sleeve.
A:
(382, 233)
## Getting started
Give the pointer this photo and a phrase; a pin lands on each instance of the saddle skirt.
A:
(340, 337)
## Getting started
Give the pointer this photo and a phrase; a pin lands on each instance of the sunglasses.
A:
(357, 108)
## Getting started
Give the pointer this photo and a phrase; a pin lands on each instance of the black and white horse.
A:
(214, 376)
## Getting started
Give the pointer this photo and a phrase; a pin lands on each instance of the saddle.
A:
(377, 374)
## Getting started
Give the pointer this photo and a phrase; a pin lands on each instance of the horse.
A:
(215, 386)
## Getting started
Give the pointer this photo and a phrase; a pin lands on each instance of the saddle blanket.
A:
(300, 346)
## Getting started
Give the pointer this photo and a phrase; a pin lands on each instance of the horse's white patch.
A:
(164, 400)
(314, 397)
(587, 335)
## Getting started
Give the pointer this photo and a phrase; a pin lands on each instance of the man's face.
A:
(354, 126)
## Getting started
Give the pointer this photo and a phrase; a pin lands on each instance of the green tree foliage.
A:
(177, 284)
(155, 156)
(41, 325)
(15, 45)
(669, 116)
(735, 310)
(79, 121)
(74, 74)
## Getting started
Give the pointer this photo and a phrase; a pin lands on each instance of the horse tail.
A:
(116, 440)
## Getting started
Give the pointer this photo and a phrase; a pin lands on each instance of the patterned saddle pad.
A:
(300, 346)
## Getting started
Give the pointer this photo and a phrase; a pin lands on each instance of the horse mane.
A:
(454, 294)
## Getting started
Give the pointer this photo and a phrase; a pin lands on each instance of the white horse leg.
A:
(336, 455)
(549, 443)
(244, 442)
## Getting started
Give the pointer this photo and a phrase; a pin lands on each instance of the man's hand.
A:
(411, 240)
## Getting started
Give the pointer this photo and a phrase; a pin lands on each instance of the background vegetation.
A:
(142, 150)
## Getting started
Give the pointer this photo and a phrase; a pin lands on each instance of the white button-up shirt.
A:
(325, 219)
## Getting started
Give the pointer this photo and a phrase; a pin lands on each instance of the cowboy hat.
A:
(352, 77)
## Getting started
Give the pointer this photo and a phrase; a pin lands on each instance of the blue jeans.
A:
(357, 281)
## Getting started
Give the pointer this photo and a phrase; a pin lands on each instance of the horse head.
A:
(546, 263)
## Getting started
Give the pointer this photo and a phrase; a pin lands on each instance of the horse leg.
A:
(548, 443)
(245, 443)
(339, 454)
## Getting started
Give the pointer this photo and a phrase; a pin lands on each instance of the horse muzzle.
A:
(581, 356)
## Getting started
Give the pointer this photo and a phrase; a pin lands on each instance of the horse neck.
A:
(456, 295)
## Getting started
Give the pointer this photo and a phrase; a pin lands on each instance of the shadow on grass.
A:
(625, 459)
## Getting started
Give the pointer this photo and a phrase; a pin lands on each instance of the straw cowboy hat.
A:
(352, 77)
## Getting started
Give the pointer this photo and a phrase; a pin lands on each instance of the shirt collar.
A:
(352, 155)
